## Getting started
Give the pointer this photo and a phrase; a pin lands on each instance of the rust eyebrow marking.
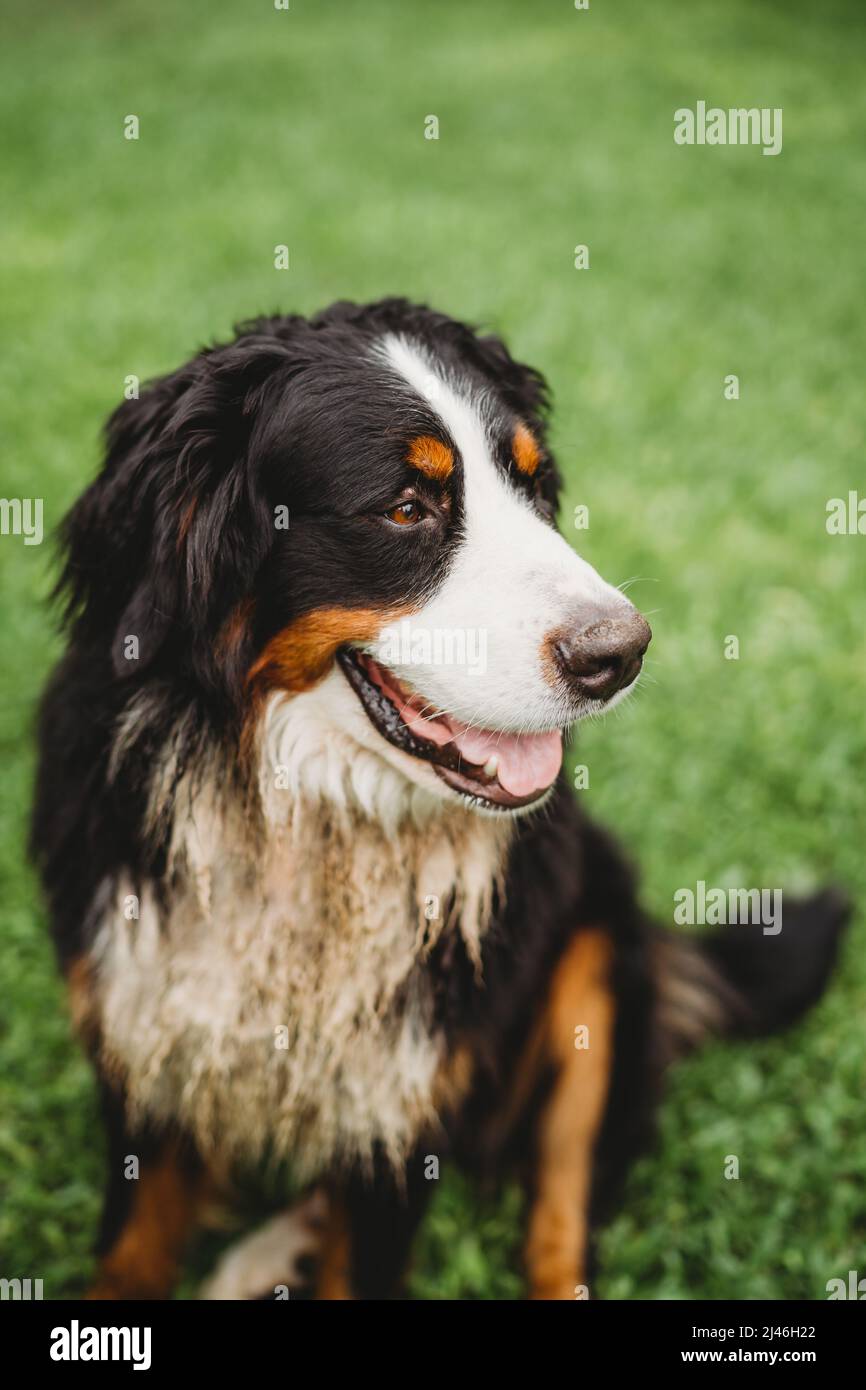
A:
(524, 447)
(431, 457)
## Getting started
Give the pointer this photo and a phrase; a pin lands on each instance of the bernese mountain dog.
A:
(319, 887)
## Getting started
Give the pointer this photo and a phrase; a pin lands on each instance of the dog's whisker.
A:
(635, 579)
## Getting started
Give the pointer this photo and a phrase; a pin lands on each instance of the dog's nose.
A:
(603, 657)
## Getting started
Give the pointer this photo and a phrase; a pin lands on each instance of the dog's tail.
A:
(739, 982)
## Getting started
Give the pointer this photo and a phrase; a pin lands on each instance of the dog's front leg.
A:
(368, 1237)
(150, 1210)
(577, 1034)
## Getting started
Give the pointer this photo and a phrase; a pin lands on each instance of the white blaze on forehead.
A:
(460, 413)
(512, 575)
(492, 507)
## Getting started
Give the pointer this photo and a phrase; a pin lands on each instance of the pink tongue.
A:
(527, 762)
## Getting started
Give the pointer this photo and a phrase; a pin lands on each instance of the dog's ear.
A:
(524, 389)
(165, 543)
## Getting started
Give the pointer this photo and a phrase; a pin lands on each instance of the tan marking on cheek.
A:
(299, 656)
(431, 457)
(524, 447)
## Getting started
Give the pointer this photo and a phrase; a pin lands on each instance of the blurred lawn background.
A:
(305, 127)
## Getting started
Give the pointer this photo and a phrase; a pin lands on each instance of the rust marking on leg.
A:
(143, 1262)
(334, 1280)
(570, 1120)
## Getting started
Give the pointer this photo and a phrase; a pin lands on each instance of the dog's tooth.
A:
(491, 767)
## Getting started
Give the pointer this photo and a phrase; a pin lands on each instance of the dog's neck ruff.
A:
(279, 1001)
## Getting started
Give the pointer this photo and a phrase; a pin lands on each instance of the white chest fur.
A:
(280, 1002)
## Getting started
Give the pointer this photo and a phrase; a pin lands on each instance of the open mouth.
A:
(501, 770)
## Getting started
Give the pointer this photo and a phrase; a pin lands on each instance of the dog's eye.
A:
(407, 513)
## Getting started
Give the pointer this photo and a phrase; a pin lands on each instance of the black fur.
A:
(173, 538)
(777, 978)
(288, 414)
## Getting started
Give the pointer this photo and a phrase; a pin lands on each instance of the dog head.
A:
(355, 514)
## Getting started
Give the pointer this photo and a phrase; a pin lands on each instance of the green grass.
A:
(306, 128)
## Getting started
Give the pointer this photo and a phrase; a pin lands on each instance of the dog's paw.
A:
(272, 1256)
